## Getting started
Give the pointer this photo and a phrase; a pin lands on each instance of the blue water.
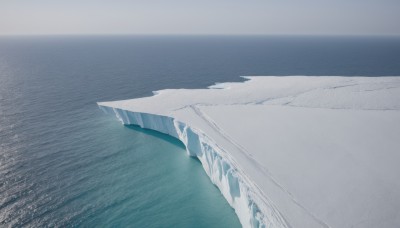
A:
(64, 163)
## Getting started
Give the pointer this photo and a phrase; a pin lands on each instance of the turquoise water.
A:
(65, 163)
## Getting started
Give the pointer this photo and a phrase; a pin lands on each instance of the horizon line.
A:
(200, 34)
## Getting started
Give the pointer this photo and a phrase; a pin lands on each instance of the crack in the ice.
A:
(292, 97)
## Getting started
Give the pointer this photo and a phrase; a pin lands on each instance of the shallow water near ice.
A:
(63, 162)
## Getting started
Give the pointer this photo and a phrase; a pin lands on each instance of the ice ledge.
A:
(271, 145)
(237, 190)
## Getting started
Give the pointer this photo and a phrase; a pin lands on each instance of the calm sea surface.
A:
(65, 163)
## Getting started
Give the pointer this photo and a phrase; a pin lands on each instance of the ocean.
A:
(65, 163)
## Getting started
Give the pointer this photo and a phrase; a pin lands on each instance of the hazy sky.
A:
(335, 17)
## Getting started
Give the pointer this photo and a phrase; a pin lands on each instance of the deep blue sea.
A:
(65, 163)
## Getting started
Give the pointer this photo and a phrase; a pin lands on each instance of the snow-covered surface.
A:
(293, 151)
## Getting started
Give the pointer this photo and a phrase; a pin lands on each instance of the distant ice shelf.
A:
(294, 151)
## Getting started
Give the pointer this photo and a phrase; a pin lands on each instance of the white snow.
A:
(294, 151)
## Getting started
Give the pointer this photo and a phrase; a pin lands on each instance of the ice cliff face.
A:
(250, 209)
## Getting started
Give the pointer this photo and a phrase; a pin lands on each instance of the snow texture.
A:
(294, 151)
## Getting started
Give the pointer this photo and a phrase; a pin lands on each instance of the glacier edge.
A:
(251, 207)
(272, 145)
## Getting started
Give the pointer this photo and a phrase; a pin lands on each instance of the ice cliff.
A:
(289, 151)
(215, 161)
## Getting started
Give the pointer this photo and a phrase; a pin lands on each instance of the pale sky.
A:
(242, 17)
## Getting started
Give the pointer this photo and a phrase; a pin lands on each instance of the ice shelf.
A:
(294, 151)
